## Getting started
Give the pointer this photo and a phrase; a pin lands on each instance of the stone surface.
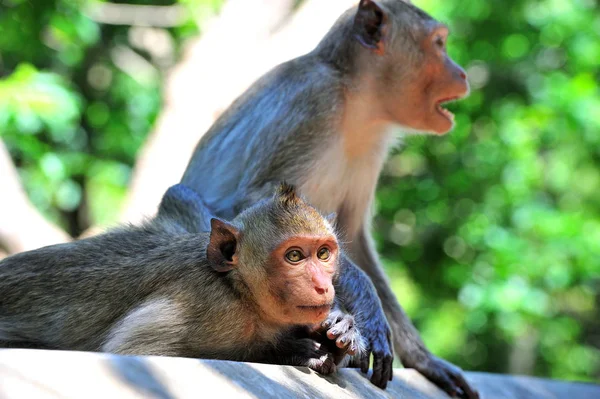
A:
(56, 374)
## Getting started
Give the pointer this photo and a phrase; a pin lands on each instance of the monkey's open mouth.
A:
(438, 106)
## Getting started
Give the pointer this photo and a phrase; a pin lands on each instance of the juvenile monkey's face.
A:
(425, 81)
(300, 278)
(288, 259)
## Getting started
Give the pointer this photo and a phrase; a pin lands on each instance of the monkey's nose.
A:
(321, 291)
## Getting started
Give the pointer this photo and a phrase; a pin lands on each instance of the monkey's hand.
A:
(338, 333)
(296, 351)
(377, 335)
(447, 376)
(316, 357)
(357, 294)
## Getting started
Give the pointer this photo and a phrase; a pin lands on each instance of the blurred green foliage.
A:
(71, 114)
(493, 231)
(491, 234)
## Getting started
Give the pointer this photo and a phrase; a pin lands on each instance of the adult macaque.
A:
(255, 289)
(322, 122)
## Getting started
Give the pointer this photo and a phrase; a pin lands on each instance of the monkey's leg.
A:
(407, 341)
(155, 327)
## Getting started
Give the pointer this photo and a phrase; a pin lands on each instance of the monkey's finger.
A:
(333, 318)
(378, 379)
(339, 356)
(353, 363)
(323, 364)
(364, 362)
(443, 381)
(384, 361)
(463, 385)
(316, 346)
(347, 340)
(353, 348)
(347, 322)
(328, 323)
(342, 342)
(388, 367)
(450, 378)
(331, 325)
(341, 327)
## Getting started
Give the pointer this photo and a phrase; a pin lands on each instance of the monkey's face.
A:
(418, 85)
(300, 276)
(288, 256)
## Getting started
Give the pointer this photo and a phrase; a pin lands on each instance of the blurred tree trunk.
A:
(22, 227)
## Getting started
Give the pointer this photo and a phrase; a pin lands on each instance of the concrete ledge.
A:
(55, 374)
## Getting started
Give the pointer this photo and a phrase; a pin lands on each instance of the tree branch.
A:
(136, 14)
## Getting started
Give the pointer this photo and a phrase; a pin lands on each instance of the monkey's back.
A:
(293, 99)
(66, 296)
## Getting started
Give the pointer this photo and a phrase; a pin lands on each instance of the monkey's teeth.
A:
(448, 113)
(445, 112)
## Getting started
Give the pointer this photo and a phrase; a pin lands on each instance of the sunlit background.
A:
(491, 234)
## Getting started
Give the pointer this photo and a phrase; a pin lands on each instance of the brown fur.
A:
(158, 289)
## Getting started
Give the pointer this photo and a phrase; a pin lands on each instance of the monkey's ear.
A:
(222, 246)
(368, 25)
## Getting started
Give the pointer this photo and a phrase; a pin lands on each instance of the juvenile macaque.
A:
(257, 289)
(356, 293)
(322, 122)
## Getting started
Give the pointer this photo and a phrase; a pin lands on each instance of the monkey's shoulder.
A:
(290, 92)
(307, 72)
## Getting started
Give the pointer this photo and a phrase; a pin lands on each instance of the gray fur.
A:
(288, 126)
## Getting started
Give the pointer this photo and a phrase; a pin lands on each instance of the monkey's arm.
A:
(407, 341)
(357, 294)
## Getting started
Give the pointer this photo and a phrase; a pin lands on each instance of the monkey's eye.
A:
(294, 256)
(323, 253)
(440, 42)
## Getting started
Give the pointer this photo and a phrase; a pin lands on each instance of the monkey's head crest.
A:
(284, 214)
(287, 195)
